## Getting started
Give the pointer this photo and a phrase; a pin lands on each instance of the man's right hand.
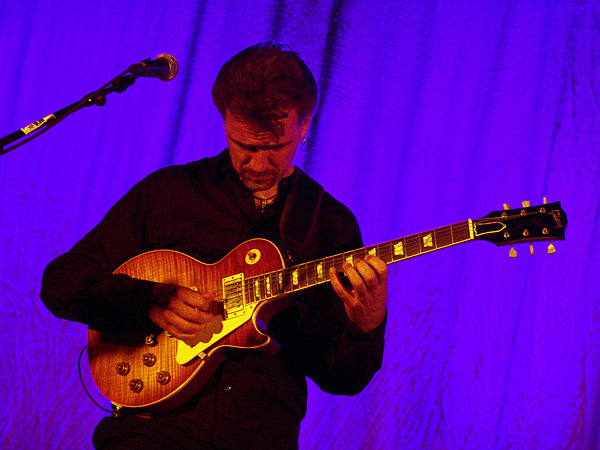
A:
(180, 311)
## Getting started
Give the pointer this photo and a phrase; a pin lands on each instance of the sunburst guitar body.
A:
(145, 370)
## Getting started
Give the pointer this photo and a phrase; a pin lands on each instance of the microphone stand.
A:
(98, 98)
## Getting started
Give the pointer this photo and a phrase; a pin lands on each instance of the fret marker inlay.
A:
(257, 289)
(428, 241)
(320, 271)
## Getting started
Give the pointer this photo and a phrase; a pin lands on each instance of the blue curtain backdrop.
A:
(431, 112)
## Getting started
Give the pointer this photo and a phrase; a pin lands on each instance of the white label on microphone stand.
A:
(35, 125)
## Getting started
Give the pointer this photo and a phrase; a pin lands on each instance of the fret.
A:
(273, 279)
(248, 291)
(320, 274)
(334, 262)
(258, 295)
(399, 250)
(302, 275)
(311, 273)
(443, 237)
(413, 245)
(263, 287)
(288, 280)
(385, 252)
(393, 250)
(328, 263)
(360, 253)
(426, 242)
(268, 286)
(461, 232)
(348, 258)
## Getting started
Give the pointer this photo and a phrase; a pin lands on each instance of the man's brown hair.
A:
(262, 83)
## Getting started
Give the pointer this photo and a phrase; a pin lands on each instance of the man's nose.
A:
(259, 161)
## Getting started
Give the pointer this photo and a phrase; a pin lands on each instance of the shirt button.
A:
(227, 388)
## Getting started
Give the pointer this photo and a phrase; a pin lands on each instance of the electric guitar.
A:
(153, 371)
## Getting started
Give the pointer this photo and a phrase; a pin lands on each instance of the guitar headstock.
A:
(545, 222)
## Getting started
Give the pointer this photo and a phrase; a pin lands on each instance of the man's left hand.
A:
(365, 300)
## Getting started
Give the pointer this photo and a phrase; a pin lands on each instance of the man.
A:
(332, 333)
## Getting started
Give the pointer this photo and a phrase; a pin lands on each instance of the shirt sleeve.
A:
(316, 335)
(80, 285)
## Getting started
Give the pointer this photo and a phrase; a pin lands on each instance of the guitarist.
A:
(332, 333)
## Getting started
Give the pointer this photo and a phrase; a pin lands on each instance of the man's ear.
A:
(305, 125)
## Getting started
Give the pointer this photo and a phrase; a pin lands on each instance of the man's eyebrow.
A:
(262, 146)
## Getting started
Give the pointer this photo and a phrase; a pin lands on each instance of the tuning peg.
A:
(512, 253)
(551, 249)
(531, 248)
(526, 203)
(506, 206)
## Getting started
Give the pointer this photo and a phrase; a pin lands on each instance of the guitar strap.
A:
(299, 216)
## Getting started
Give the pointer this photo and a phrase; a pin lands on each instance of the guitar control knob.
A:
(151, 340)
(123, 368)
(163, 377)
(136, 385)
(149, 359)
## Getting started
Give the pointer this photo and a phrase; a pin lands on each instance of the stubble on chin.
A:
(255, 186)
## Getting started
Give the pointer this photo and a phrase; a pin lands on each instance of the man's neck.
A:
(264, 198)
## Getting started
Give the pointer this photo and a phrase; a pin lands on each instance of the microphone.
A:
(164, 67)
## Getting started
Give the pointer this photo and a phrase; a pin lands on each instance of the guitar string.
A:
(268, 285)
(256, 288)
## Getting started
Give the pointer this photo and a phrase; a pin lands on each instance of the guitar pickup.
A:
(233, 296)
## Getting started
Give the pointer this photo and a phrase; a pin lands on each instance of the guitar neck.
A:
(309, 274)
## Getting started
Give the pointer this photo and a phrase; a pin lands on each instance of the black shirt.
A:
(253, 400)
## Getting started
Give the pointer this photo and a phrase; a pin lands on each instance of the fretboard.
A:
(305, 275)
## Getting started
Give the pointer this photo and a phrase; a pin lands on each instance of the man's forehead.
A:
(241, 130)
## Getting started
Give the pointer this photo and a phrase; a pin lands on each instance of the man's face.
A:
(260, 160)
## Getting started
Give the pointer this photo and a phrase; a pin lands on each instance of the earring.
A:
(303, 142)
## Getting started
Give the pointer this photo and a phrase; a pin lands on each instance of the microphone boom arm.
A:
(98, 98)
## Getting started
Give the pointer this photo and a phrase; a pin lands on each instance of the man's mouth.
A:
(258, 177)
